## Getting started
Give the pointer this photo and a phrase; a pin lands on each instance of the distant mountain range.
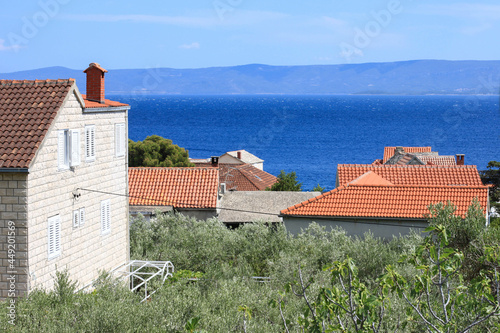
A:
(417, 77)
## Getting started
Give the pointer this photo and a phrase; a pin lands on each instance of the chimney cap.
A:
(95, 65)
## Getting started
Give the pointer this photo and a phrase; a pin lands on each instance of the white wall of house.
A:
(383, 228)
(84, 249)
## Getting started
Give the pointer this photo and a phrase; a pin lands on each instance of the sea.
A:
(310, 135)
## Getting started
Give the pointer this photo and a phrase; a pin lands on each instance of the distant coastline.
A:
(417, 77)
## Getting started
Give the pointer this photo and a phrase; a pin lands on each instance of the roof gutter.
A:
(18, 170)
(107, 109)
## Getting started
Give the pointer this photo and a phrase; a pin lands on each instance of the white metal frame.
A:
(133, 270)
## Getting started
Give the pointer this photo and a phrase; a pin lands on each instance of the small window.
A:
(90, 143)
(82, 216)
(76, 218)
(120, 140)
(54, 236)
(105, 217)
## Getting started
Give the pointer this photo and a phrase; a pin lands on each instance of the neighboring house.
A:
(63, 182)
(413, 174)
(241, 157)
(190, 191)
(239, 177)
(418, 156)
(241, 207)
(373, 203)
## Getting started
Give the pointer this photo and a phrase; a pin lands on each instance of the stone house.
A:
(63, 182)
(388, 200)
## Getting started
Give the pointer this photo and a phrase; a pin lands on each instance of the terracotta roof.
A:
(107, 103)
(27, 109)
(178, 187)
(398, 201)
(441, 175)
(243, 177)
(389, 151)
(437, 160)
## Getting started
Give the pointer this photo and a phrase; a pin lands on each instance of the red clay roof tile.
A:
(399, 201)
(243, 177)
(178, 187)
(23, 124)
(413, 174)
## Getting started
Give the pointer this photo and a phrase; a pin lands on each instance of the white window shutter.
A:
(61, 150)
(82, 216)
(90, 143)
(75, 148)
(76, 218)
(120, 139)
(54, 236)
(105, 217)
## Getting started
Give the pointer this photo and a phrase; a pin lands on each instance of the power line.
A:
(172, 203)
(229, 209)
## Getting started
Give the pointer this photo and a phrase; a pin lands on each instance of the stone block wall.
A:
(13, 235)
(84, 250)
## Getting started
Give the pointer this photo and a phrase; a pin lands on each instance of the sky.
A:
(128, 34)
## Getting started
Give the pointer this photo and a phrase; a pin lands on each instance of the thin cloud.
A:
(3, 47)
(194, 45)
(238, 17)
(463, 10)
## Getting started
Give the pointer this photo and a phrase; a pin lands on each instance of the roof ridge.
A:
(316, 198)
(49, 81)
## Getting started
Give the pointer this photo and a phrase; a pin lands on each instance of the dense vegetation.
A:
(156, 151)
(305, 281)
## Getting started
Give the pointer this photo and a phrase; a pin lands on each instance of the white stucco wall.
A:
(84, 251)
(379, 228)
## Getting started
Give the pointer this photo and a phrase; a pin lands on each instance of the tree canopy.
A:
(492, 176)
(286, 182)
(156, 151)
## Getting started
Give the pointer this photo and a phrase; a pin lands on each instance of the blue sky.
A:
(205, 33)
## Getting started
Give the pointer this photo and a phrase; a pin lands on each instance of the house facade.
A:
(63, 182)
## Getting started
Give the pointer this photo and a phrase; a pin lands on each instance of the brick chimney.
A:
(95, 82)
(239, 155)
(460, 159)
(215, 161)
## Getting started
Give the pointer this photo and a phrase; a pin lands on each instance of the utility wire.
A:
(230, 209)
(172, 203)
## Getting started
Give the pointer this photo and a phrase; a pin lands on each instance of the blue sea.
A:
(312, 134)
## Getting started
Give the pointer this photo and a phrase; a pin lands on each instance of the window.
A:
(105, 217)
(90, 143)
(82, 216)
(54, 236)
(76, 218)
(120, 140)
(68, 149)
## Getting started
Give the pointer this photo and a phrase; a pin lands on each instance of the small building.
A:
(238, 176)
(63, 182)
(191, 191)
(418, 156)
(240, 207)
(374, 203)
(241, 157)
